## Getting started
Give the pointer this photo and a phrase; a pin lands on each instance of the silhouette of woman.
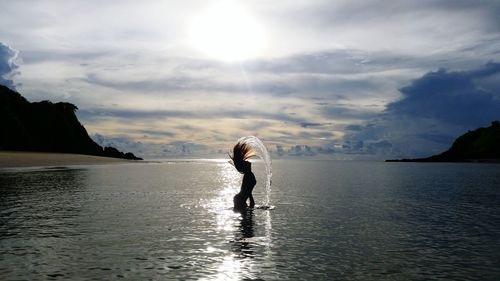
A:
(241, 152)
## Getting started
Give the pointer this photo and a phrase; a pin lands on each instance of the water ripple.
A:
(175, 221)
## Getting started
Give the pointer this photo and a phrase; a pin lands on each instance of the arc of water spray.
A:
(261, 152)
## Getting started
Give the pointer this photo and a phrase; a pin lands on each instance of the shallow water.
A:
(332, 220)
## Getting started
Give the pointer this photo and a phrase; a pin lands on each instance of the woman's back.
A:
(248, 183)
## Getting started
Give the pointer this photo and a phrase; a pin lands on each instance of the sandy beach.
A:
(13, 159)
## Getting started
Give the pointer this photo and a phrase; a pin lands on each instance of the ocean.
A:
(173, 220)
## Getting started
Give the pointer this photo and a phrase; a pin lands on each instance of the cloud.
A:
(453, 97)
(432, 111)
(152, 150)
(38, 56)
(8, 65)
(313, 124)
(157, 133)
(202, 114)
(400, 26)
(293, 76)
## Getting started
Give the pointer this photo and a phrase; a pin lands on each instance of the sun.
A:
(227, 32)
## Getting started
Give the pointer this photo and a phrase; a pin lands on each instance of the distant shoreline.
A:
(19, 159)
(425, 160)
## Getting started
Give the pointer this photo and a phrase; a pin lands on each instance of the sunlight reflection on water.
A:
(239, 263)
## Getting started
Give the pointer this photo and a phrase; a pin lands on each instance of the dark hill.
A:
(480, 145)
(46, 126)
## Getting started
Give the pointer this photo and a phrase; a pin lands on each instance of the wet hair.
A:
(241, 152)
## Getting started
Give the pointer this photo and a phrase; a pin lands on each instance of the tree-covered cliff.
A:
(45, 126)
(480, 145)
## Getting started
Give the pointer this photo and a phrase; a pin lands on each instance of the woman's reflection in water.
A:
(242, 246)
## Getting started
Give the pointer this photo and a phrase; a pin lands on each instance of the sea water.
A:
(333, 220)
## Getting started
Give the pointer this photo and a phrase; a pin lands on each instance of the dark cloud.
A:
(335, 13)
(36, 56)
(357, 61)
(346, 112)
(335, 61)
(165, 84)
(432, 112)
(157, 133)
(183, 83)
(304, 86)
(257, 125)
(339, 61)
(353, 128)
(328, 74)
(313, 124)
(452, 97)
(302, 151)
(152, 150)
(437, 138)
(8, 65)
(307, 134)
(93, 114)
(315, 134)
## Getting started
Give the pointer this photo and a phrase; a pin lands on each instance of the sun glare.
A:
(227, 32)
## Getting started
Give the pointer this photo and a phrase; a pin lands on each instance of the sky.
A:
(323, 79)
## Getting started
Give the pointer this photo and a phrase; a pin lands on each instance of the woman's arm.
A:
(252, 203)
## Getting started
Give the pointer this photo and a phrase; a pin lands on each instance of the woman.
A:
(241, 152)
